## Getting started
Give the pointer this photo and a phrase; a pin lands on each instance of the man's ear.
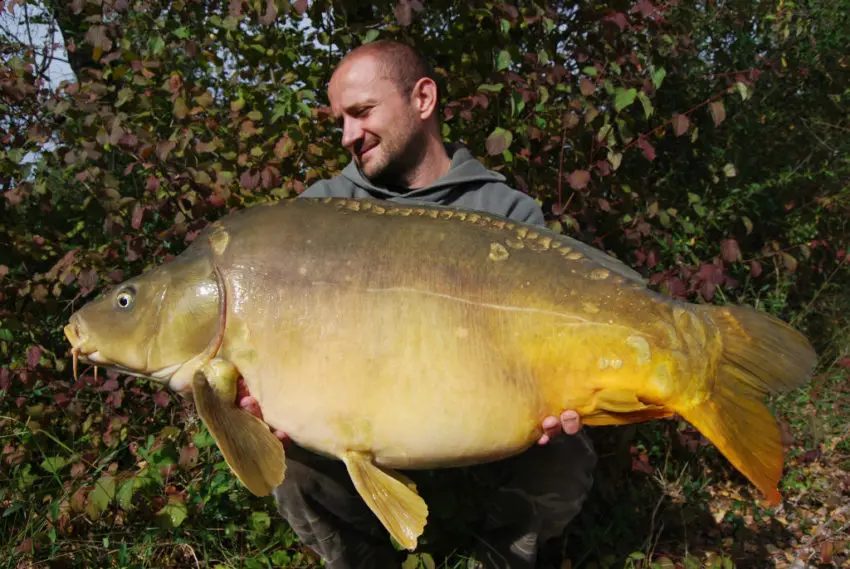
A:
(424, 96)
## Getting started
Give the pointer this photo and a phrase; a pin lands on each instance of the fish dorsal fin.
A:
(390, 496)
(252, 451)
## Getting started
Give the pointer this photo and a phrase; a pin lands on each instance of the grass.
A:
(110, 473)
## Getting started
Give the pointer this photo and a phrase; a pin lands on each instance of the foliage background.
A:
(705, 143)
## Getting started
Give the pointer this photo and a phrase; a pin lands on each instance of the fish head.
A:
(153, 325)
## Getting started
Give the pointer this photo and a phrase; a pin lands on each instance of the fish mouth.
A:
(83, 351)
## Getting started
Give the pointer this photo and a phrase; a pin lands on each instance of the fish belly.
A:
(418, 381)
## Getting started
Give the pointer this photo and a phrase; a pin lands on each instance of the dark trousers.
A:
(522, 502)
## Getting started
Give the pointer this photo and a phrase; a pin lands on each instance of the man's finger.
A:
(570, 422)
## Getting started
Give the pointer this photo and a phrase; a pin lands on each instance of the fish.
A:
(398, 337)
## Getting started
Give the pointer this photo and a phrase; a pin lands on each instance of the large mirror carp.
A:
(397, 337)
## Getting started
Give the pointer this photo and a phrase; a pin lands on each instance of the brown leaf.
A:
(718, 112)
(188, 457)
(498, 141)
(180, 108)
(587, 86)
(284, 147)
(300, 6)
(680, 124)
(164, 148)
(730, 251)
(271, 13)
(755, 268)
(403, 13)
(789, 261)
(235, 7)
(578, 179)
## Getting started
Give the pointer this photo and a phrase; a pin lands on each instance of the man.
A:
(386, 99)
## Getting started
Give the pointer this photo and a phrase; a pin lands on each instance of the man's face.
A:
(380, 125)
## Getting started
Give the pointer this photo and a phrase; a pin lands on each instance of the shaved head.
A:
(396, 61)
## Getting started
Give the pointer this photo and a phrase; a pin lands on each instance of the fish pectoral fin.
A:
(622, 407)
(391, 496)
(251, 450)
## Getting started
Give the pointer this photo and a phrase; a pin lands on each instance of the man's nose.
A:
(351, 133)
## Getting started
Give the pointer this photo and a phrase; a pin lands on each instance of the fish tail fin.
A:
(761, 354)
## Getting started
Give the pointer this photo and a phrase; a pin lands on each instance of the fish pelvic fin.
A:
(253, 453)
(392, 497)
(761, 355)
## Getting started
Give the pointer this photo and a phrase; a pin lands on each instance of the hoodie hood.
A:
(465, 169)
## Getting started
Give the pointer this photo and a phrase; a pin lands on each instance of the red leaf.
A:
(844, 362)
(88, 280)
(619, 19)
(152, 183)
(161, 399)
(680, 124)
(578, 179)
(5, 379)
(108, 385)
(249, 179)
(138, 215)
(34, 356)
(706, 290)
(300, 6)
(641, 465)
(755, 268)
(647, 148)
(730, 251)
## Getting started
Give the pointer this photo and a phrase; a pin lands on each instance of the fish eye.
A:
(125, 299)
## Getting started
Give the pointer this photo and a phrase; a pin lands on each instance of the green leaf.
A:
(101, 496)
(623, 98)
(259, 522)
(744, 90)
(203, 438)
(491, 87)
(505, 26)
(730, 171)
(517, 103)
(648, 109)
(173, 513)
(604, 132)
(124, 497)
(156, 44)
(590, 70)
(371, 35)
(503, 60)
(54, 464)
(658, 76)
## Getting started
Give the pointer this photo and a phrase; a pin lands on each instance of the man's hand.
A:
(569, 422)
(248, 403)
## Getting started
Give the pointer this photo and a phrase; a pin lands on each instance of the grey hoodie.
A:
(467, 184)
